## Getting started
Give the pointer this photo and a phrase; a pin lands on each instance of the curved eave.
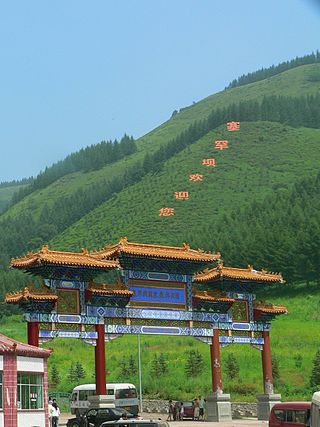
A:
(26, 295)
(103, 292)
(26, 263)
(276, 310)
(208, 298)
(184, 253)
(221, 273)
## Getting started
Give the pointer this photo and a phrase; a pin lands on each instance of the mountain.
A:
(259, 204)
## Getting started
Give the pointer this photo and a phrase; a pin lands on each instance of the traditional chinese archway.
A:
(158, 294)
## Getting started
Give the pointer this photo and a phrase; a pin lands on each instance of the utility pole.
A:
(140, 375)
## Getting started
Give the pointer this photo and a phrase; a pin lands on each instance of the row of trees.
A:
(264, 73)
(281, 232)
(193, 368)
(87, 159)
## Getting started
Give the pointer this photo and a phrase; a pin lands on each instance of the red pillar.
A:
(215, 362)
(267, 364)
(100, 359)
(33, 333)
(10, 414)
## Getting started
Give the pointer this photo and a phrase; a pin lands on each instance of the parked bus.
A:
(123, 395)
(315, 410)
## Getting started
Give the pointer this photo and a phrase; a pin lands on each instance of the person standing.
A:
(205, 409)
(181, 412)
(55, 415)
(201, 411)
(196, 409)
(170, 411)
(50, 411)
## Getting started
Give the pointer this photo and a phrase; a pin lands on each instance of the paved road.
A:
(249, 422)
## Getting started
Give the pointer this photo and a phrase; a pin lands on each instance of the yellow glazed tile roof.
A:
(249, 273)
(156, 251)
(30, 293)
(47, 256)
(265, 307)
(107, 289)
(216, 296)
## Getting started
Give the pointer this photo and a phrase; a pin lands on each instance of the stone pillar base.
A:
(101, 401)
(219, 407)
(265, 403)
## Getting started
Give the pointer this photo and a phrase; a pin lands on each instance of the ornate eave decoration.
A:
(265, 311)
(213, 301)
(124, 247)
(48, 257)
(248, 274)
(108, 294)
(29, 293)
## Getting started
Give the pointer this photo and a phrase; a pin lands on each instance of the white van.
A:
(123, 395)
(315, 410)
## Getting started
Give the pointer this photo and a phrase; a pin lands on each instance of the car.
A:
(94, 417)
(136, 423)
(290, 414)
(188, 409)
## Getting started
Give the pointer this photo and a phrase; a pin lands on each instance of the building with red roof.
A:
(23, 384)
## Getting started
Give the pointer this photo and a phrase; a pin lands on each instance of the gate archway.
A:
(159, 292)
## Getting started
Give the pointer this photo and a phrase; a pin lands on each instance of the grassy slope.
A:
(294, 82)
(262, 156)
(296, 333)
(6, 194)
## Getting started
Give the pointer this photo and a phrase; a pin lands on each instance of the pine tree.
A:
(55, 377)
(155, 366)
(298, 360)
(232, 367)
(194, 364)
(72, 373)
(163, 364)
(275, 368)
(79, 371)
(315, 373)
(132, 370)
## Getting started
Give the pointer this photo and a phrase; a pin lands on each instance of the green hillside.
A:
(262, 158)
(6, 194)
(295, 82)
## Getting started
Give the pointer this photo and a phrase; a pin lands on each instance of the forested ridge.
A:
(90, 158)
(264, 73)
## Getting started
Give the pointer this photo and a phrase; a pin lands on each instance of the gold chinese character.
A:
(181, 195)
(221, 144)
(231, 126)
(166, 212)
(195, 177)
(209, 162)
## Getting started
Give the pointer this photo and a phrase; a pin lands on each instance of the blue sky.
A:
(76, 72)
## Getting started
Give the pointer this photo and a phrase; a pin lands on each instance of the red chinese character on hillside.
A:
(231, 126)
(209, 162)
(181, 195)
(195, 177)
(166, 212)
(221, 144)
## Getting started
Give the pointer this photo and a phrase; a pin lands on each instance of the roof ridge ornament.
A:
(44, 249)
